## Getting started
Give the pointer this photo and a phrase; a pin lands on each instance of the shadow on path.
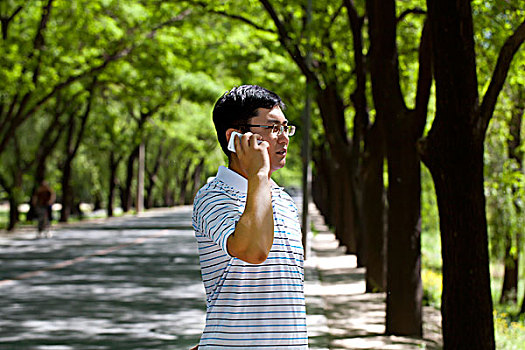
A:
(356, 320)
(134, 283)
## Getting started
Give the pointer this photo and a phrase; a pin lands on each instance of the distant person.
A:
(42, 200)
(248, 233)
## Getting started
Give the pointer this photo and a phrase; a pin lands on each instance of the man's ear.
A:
(229, 133)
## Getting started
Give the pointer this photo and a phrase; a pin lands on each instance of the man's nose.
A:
(283, 138)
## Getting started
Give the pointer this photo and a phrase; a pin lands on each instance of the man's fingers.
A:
(246, 139)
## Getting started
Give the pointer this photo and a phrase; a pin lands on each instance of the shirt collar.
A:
(232, 179)
(236, 180)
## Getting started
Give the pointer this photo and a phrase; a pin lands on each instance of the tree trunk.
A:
(127, 198)
(332, 112)
(321, 184)
(66, 192)
(404, 286)
(14, 189)
(456, 165)
(361, 128)
(72, 144)
(14, 215)
(453, 153)
(139, 203)
(522, 310)
(113, 165)
(183, 185)
(374, 210)
(66, 171)
(403, 128)
(510, 277)
(196, 180)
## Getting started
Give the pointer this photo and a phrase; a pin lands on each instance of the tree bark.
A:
(196, 183)
(12, 198)
(183, 185)
(332, 111)
(321, 192)
(127, 198)
(374, 210)
(152, 176)
(453, 152)
(73, 142)
(403, 129)
(113, 165)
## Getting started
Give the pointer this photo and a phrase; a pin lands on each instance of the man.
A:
(248, 232)
(42, 200)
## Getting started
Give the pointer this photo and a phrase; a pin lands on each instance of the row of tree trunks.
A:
(332, 112)
(344, 209)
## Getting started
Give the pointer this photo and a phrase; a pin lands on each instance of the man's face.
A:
(278, 143)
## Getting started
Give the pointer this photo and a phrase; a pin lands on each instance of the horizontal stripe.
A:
(257, 332)
(257, 312)
(252, 305)
(280, 298)
(262, 285)
(266, 318)
(257, 346)
(255, 339)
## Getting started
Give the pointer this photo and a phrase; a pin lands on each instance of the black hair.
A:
(235, 107)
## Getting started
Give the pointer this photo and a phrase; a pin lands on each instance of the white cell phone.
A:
(231, 143)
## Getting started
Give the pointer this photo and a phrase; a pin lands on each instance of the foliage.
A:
(510, 332)
(159, 67)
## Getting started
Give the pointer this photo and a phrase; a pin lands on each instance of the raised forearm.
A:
(253, 236)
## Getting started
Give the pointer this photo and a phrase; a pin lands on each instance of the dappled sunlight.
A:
(355, 319)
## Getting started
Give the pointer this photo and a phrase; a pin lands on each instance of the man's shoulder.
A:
(215, 190)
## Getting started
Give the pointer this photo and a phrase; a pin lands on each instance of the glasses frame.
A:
(280, 128)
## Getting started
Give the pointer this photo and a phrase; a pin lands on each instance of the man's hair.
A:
(237, 106)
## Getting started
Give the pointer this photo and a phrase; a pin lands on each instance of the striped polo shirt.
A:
(249, 305)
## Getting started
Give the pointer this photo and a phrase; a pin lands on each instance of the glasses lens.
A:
(288, 130)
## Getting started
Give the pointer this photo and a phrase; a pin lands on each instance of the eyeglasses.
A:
(288, 130)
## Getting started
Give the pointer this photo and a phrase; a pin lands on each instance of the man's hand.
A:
(253, 156)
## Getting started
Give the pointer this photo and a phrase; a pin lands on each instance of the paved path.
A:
(356, 320)
(124, 283)
(134, 283)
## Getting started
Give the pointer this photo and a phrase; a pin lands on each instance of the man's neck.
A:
(233, 165)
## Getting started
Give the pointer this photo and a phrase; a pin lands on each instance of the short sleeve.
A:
(215, 215)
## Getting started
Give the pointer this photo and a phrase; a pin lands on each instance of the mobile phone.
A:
(231, 143)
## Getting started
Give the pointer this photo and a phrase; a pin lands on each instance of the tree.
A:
(72, 143)
(403, 128)
(453, 152)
